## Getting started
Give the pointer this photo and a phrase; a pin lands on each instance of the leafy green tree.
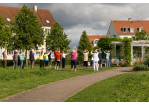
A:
(57, 38)
(28, 31)
(141, 35)
(105, 44)
(5, 33)
(84, 43)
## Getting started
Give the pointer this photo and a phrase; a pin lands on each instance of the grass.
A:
(13, 81)
(129, 87)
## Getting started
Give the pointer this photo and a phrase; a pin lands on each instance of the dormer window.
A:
(140, 28)
(47, 21)
(131, 29)
(8, 19)
(124, 29)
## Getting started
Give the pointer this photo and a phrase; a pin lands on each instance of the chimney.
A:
(130, 19)
(35, 8)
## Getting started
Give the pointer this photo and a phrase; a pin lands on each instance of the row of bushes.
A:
(142, 65)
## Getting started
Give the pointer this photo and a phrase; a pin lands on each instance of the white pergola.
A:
(115, 43)
(141, 43)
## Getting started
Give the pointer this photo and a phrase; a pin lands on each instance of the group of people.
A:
(45, 58)
(96, 58)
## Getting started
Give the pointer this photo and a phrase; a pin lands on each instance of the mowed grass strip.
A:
(13, 81)
(129, 87)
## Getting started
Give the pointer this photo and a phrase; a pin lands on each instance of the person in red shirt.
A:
(55, 58)
(58, 55)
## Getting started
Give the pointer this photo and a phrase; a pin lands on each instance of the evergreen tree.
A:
(57, 38)
(28, 31)
(5, 33)
(84, 43)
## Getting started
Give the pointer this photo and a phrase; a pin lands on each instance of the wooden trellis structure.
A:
(142, 44)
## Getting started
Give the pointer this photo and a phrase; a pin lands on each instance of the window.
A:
(47, 21)
(47, 31)
(8, 19)
(131, 29)
(113, 36)
(96, 41)
(124, 29)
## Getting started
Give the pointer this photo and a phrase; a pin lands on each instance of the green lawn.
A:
(129, 87)
(14, 81)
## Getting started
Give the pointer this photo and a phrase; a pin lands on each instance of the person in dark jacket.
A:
(100, 58)
(50, 59)
(32, 58)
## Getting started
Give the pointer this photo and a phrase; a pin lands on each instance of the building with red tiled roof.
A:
(126, 28)
(95, 38)
(44, 17)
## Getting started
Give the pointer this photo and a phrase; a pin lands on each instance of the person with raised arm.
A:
(100, 58)
(4, 59)
(41, 59)
(59, 58)
(16, 58)
(95, 59)
(64, 59)
(32, 58)
(107, 58)
(50, 59)
(74, 58)
(55, 57)
(85, 53)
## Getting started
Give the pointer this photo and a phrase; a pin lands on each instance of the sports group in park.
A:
(45, 58)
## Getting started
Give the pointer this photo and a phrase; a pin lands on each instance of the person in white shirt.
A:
(107, 58)
(95, 59)
(63, 60)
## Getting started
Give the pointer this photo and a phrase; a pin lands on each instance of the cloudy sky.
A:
(95, 18)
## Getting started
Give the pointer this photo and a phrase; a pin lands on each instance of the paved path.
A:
(61, 90)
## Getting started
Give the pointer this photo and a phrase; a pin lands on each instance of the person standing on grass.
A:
(95, 60)
(63, 60)
(100, 58)
(23, 58)
(107, 58)
(85, 53)
(74, 58)
(58, 54)
(55, 58)
(46, 59)
(4, 59)
(50, 59)
(16, 58)
(41, 59)
(32, 58)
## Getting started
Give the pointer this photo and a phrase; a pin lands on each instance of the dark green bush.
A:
(141, 67)
(37, 61)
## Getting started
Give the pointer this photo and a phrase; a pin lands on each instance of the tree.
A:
(57, 38)
(84, 43)
(28, 31)
(5, 33)
(141, 35)
(105, 44)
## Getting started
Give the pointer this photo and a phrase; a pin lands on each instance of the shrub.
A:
(37, 61)
(141, 67)
(146, 60)
(137, 63)
(112, 65)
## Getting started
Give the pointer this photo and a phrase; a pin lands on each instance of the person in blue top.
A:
(107, 58)
(32, 58)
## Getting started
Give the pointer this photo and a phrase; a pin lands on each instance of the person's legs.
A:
(33, 64)
(75, 64)
(40, 63)
(71, 65)
(55, 63)
(64, 62)
(107, 63)
(21, 61)
(23, 65)
(94, 65)
(101, 64)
